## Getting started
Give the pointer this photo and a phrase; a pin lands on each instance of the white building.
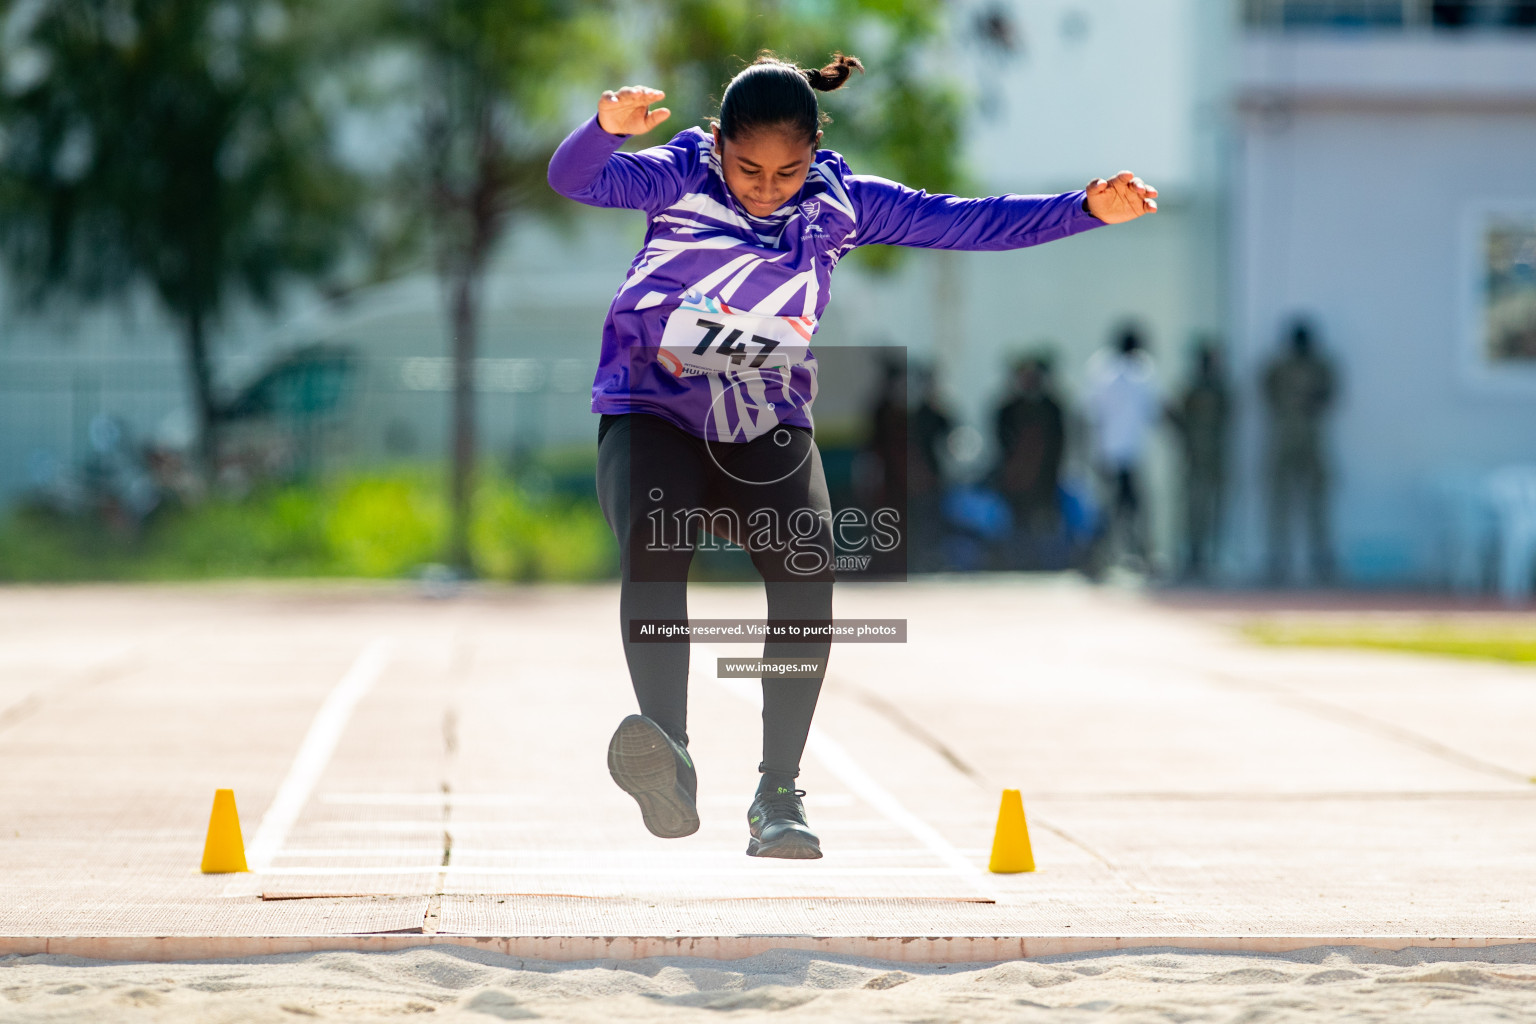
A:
(1373, 168)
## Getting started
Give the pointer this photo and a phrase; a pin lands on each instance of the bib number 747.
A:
(719, 340)
(730, 347)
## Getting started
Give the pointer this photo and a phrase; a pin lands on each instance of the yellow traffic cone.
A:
(1010, 843)
(225, 850)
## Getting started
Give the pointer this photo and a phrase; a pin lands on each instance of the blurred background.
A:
(283, 291)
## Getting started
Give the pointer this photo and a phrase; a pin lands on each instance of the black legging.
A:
(652, 476)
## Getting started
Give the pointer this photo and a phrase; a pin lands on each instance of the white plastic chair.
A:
(1512, 491)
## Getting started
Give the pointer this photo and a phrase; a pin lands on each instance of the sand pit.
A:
(1325, 983)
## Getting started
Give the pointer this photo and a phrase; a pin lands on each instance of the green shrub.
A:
(381, 524)
(36, 546)
(515, 538)
(381, 527)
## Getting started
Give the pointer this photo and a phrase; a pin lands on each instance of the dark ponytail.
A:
(834, 74)
(773, 93)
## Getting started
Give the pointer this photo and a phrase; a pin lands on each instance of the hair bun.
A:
(834, 74)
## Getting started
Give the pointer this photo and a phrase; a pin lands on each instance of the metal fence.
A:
(54, 414)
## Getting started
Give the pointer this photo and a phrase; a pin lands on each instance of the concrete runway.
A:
(418, 771)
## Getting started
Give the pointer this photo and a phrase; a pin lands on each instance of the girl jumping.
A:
(706, 381)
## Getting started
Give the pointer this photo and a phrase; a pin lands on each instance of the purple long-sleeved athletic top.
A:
(711, 328)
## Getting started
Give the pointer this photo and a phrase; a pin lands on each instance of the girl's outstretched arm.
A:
(589, 168)
(890, 213)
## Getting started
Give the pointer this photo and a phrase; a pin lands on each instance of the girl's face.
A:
(766, 169)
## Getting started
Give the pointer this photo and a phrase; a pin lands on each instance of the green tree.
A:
(495, 75)
(170, 143)
(898, 120)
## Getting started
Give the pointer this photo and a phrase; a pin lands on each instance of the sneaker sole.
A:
(643, 765)
(792, 847)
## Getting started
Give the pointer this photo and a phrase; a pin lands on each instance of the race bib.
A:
(705, 336)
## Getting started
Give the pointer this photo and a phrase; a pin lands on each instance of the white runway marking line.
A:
(437, 800)
(848, 771)
(683, 873)
(667, 857)
(337, 829)
(315, 753)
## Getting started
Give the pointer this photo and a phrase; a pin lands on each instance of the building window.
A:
(1508, 290)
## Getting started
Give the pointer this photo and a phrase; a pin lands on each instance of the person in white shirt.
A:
(1122, 408)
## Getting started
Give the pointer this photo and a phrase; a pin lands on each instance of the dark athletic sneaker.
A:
(777, 821)
(656, 770)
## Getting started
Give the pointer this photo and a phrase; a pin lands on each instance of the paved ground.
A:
(408, 768)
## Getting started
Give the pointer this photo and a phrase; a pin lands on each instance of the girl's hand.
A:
(1123, 197)
(624, 112)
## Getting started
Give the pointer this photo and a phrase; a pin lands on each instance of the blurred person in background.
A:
(889, 428)
(1202, 417)
(706, 379)
(1300, 386)
(1031, 438)
(1122, 406)
(1464, 13)
(119, 487)
(930, 424)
